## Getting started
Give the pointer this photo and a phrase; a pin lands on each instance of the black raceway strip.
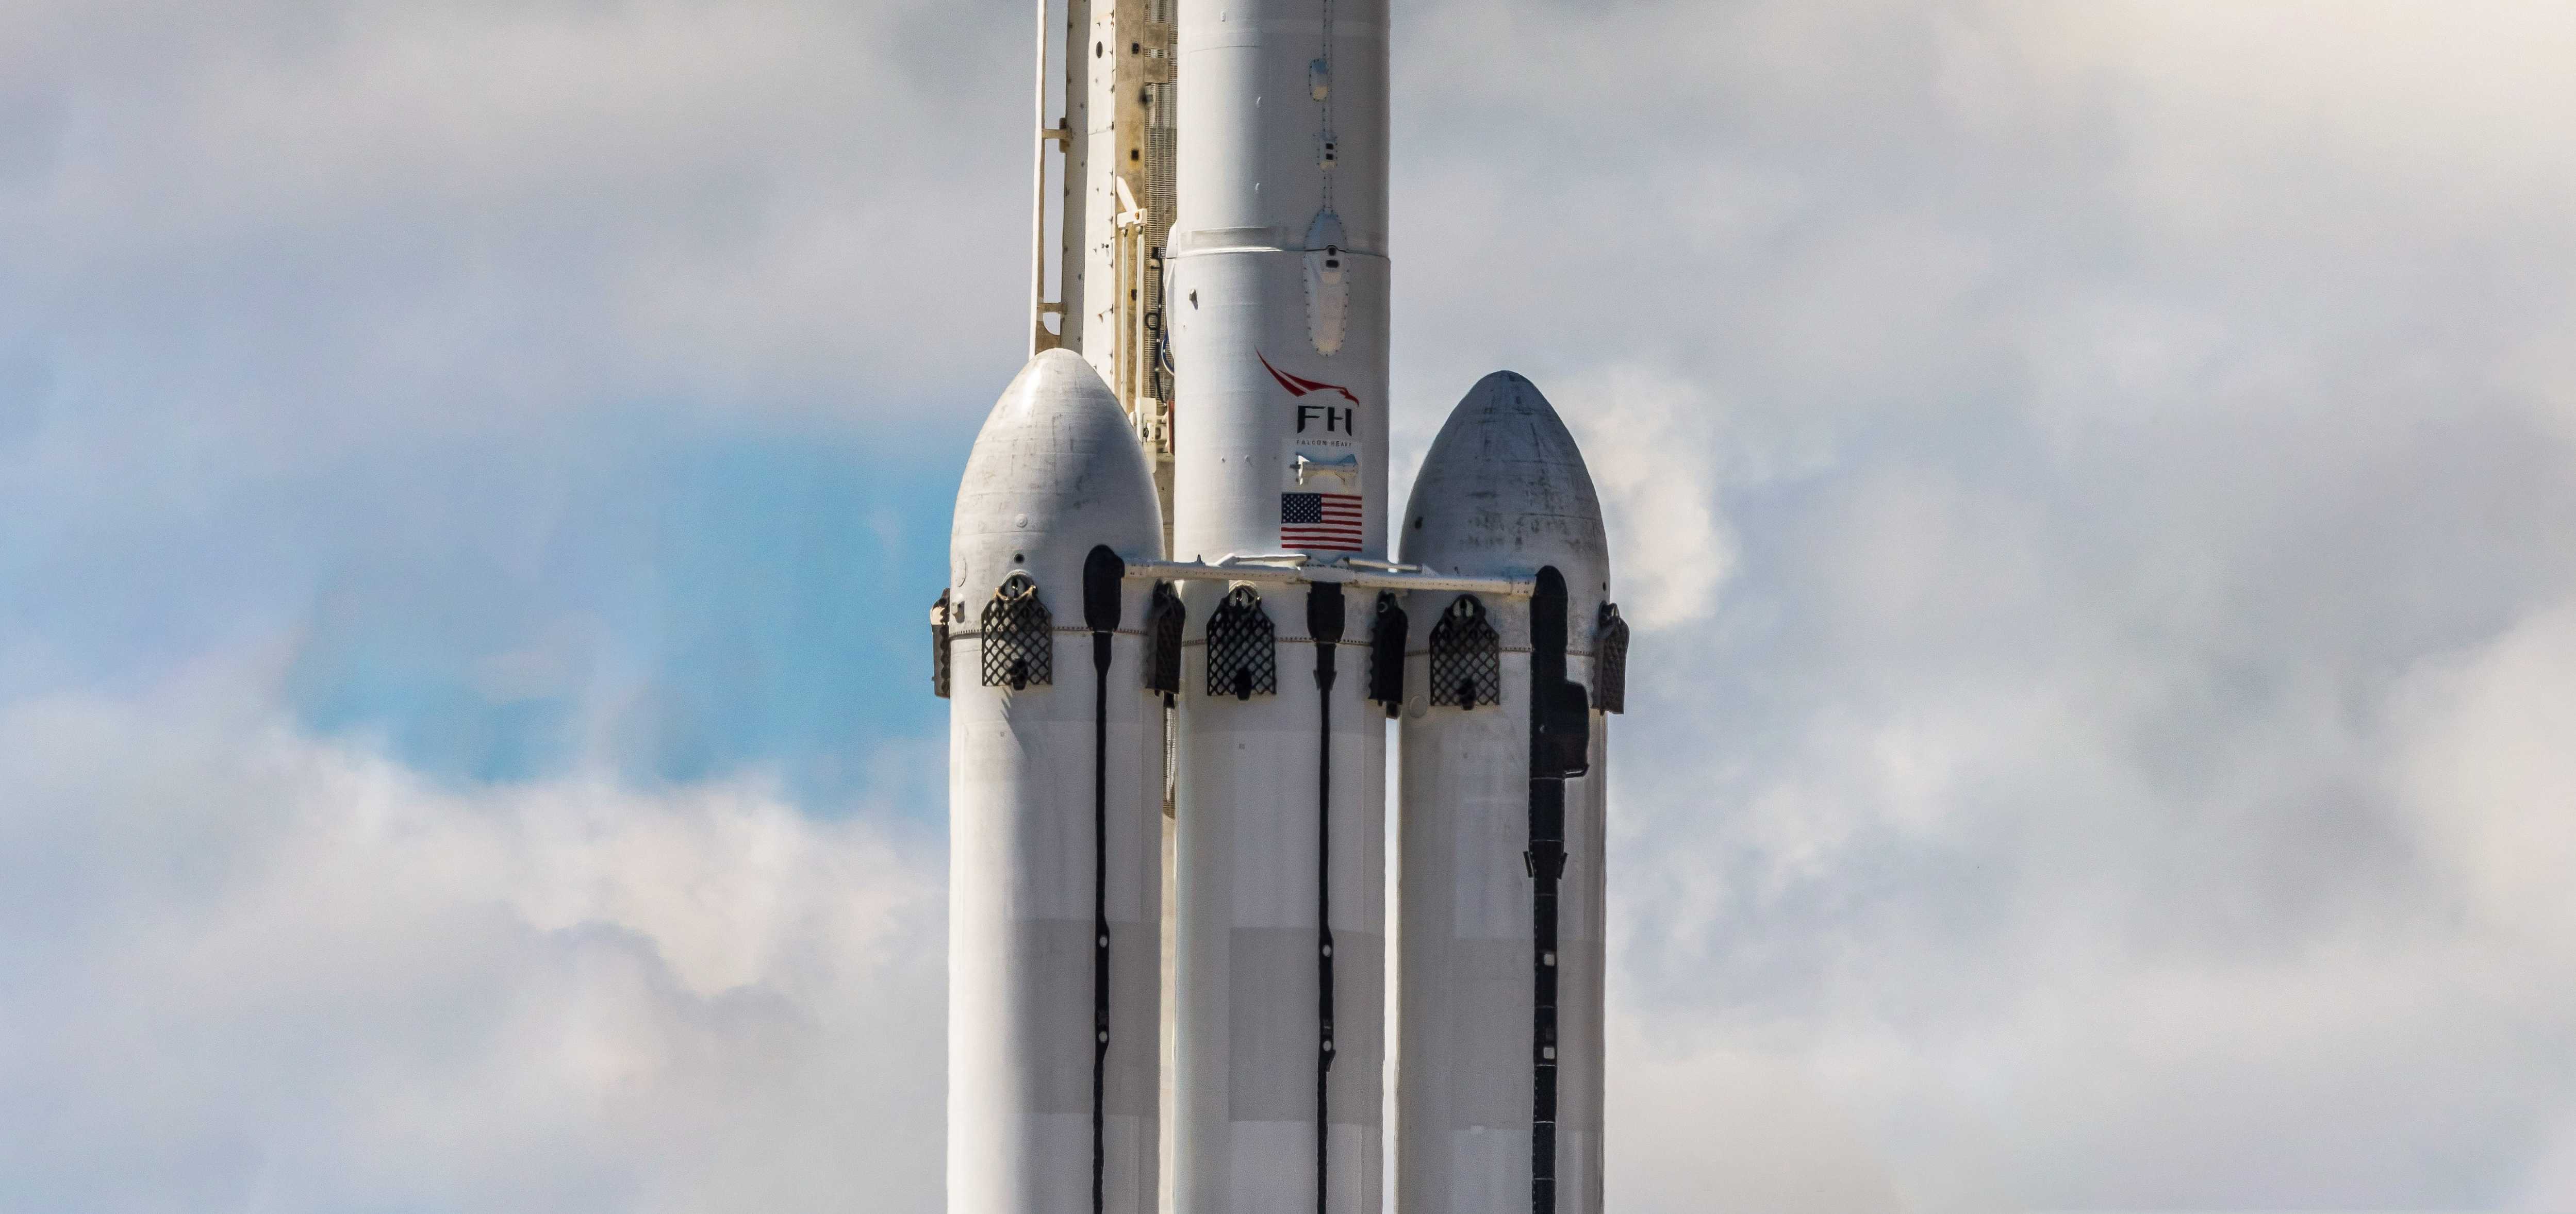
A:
(1102, 572)
(1100, 642)
(1546, 860)
(1324, 609)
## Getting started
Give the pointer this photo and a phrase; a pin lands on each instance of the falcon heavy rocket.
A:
(1173, 638)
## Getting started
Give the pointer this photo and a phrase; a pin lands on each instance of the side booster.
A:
(1498, 1100)
(1055, 801)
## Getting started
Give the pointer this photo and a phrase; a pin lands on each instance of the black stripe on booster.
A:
(1103, 577)
(1324, 620)
(1560, 737)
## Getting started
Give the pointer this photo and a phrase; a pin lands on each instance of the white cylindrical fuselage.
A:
(1055, 804)
(1278, 299)
(1501, 1026)
(1278, 312)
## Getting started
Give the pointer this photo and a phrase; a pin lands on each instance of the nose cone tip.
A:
(1509, 393)
(1055, 383)
(1052, 366)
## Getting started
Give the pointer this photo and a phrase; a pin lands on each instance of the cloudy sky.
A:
(2096, 483)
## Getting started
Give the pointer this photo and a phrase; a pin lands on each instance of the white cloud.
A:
(2111, 766)
(254, 970)
(1654, 445)
(1696, 1128)
(2490, 776)
(2233, 112)
(256, 239)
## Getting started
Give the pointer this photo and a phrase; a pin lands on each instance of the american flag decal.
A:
(1319, 522)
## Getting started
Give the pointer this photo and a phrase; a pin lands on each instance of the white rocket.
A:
(1173, 638)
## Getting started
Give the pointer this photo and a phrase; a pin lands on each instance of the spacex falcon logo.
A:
(1334, 419)
(1298, 385)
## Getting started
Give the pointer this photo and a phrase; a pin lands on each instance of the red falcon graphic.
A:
(1298, 385)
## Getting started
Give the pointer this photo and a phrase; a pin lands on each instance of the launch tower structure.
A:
(1107, 148)
(1174, 633)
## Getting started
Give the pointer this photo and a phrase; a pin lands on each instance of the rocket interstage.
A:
(1173, 641)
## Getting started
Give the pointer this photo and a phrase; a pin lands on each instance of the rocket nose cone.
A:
(1055, 470)
(1054, 383)
(1504, 489)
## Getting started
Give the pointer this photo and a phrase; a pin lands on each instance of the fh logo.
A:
(1334, 419)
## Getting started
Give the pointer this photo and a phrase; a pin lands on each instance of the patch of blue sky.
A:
(686, 611)
(785, 613)
(677, 606)
(101, 593)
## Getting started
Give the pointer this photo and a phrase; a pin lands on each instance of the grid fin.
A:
(1610, 661)
(1466, 657)
(1386, 653)
(939, 645)
(1019, 637)
(1242, 648)
(1164, 618)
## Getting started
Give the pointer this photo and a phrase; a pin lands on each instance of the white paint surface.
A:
(1502, 493)
(1054, 472)
(1250, 373)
